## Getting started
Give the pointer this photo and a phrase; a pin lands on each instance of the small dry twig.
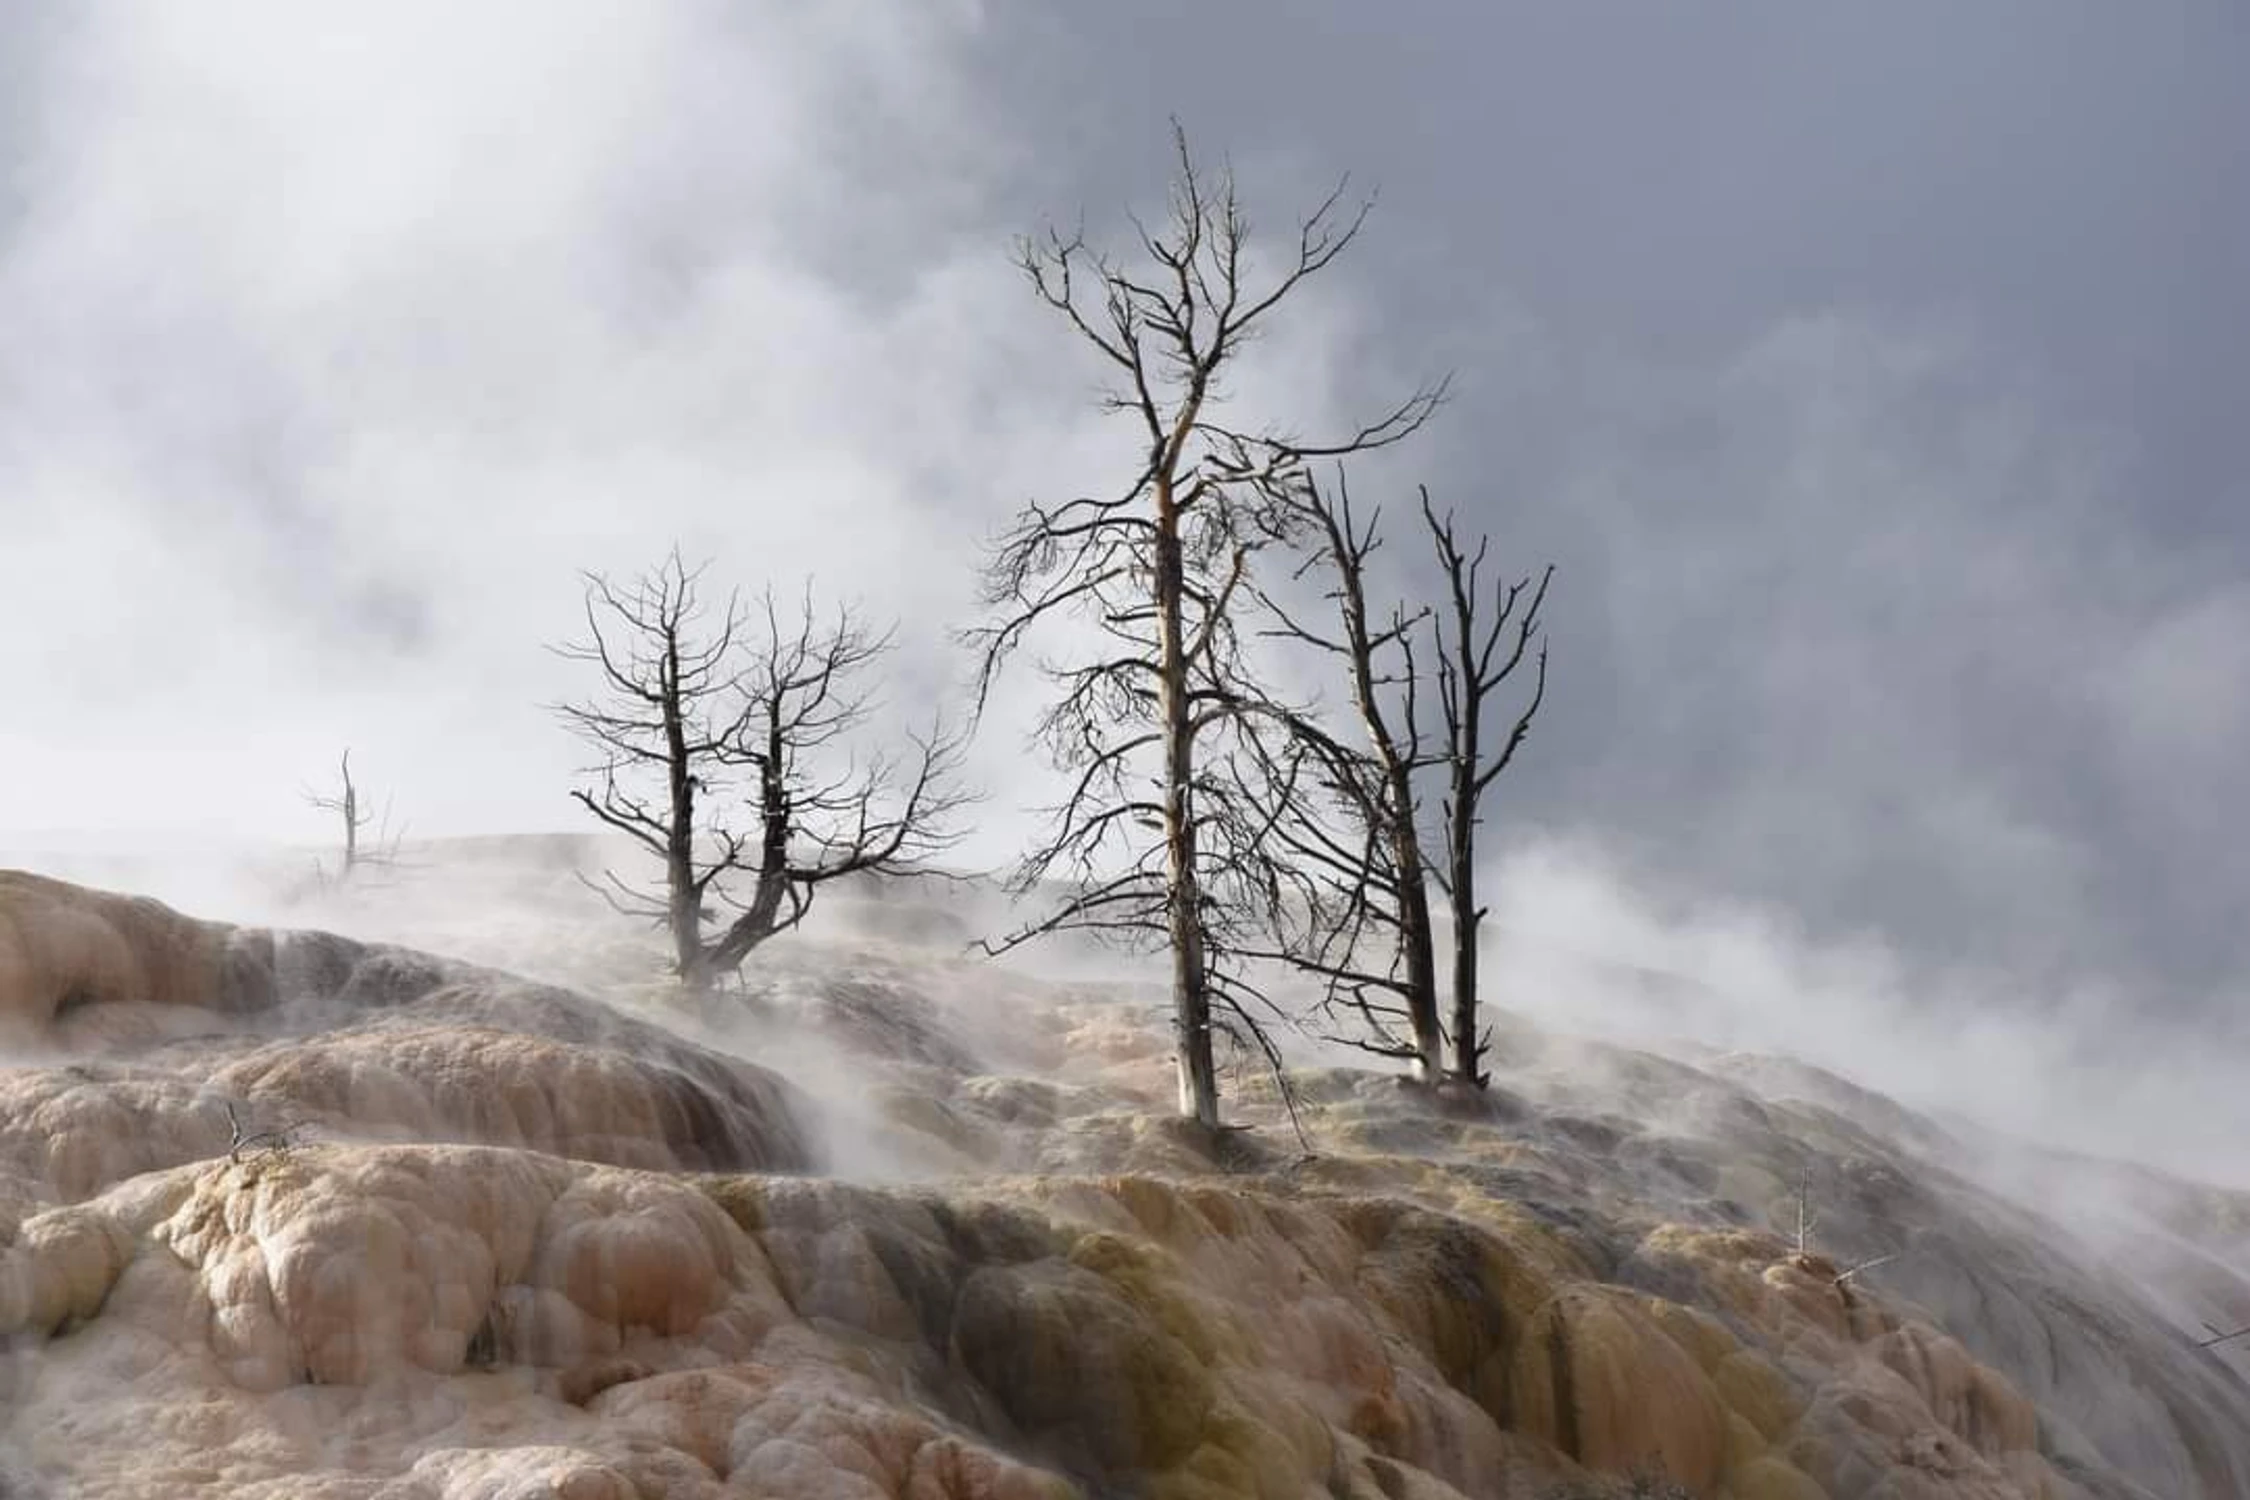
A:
(2217, 1338)
(242, 1144)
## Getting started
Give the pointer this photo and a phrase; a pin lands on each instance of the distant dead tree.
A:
(1805, 1258)
(697, 705)
(382, 850)
(1150, 844)
(1365, 924)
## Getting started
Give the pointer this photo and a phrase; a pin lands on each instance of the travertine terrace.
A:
(289, 1214)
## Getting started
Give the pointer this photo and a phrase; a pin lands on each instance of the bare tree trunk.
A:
(683, 894)
(762, 919)
(351, 818)
(1461, 841)
(1414, 933)
(1191, 999)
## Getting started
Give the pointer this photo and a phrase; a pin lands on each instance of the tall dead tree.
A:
(665, 717)
(1359, 917)
(1149, 843)
(1482, 634)
(1358, 914)
(356, 820)
(695, 703)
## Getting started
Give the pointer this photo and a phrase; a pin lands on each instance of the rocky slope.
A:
(288, 1214)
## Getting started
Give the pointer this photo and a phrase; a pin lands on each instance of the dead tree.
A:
(1482, 635)
(665, 716)
(382, 850)
(1360, 890)
(251, 1145)
(1805, 1259)
(693, 704)
(817, 821)
(1149, 842)
(1359, 915)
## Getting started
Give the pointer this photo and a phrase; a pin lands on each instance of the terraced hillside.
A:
(289, 1214)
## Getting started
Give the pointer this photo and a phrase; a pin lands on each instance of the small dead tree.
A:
(1805, 1258)
(1150, 842)
(380, 851)
(694, 702)
(251, 1145)
(1482, 636)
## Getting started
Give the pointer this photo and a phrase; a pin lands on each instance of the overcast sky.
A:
(1875, 376)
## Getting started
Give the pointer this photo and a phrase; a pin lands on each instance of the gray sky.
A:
(1874, 375)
